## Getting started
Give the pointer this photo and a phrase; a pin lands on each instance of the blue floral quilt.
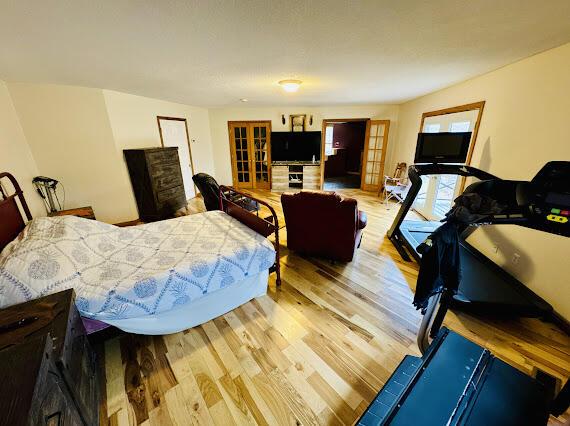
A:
(130, 272)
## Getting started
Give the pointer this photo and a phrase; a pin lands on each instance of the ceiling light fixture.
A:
(290, 85)
(244, 100)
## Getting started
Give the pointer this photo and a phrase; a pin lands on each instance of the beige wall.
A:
(134, 125)
(524, 125)
(69, 134)
(219, 118)
(15, 155)
(77, 135)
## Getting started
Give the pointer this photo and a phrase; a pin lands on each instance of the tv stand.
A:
(295, 175)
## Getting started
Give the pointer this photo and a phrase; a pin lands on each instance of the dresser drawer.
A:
(79, 367)
(55, 407)
(168, 194)
(163, 156)
(166, 176)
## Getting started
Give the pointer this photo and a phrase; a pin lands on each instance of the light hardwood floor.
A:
(315, 351)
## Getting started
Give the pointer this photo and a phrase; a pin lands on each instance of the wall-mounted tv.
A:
(445, 147)
(295, 146)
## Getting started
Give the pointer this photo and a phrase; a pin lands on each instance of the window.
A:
(432, 128)
(329, 139)
(460, 126)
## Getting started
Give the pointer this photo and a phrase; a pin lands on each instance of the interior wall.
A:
(134, 124)
(524, 125)
(69, 134)
(350, 136)
(219, 118)
(15, 155)
(77, 136)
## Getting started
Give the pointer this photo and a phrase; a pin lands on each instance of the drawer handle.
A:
(54, 419)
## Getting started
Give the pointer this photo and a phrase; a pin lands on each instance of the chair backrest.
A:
(315, 217)
(209, 189)
(400, 170)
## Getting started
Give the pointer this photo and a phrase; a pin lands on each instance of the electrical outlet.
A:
(516, 258)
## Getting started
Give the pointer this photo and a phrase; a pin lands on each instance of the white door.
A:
(173, 132)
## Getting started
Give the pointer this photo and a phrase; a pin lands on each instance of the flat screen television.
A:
(295, 146)
(445, 147)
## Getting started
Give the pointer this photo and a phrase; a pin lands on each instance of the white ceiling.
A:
(212, 53)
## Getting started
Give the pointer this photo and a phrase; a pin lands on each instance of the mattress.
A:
(121, 273)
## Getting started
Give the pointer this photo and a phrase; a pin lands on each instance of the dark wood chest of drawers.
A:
(157, 181)
(72, 370)
(33, 391)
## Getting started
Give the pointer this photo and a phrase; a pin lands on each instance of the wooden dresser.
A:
(157, 182)
(64, 383)
(32, 390)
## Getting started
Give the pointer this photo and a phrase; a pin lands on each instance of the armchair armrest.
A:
(362, 220)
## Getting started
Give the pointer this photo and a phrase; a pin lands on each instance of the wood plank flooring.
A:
(315, 351)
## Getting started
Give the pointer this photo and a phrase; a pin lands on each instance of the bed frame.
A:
(11, 220)
(233, 201)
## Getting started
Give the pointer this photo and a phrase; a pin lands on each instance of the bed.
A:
(157, 278)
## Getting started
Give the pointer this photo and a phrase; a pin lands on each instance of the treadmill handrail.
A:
(415, 171)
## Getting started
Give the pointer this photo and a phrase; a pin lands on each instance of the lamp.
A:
(290, 85)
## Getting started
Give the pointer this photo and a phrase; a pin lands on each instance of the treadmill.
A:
(456, 381)
(485, 287)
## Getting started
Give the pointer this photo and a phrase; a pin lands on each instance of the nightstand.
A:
(85, 212)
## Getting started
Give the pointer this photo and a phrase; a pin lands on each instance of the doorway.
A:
(174, 132)
(344, 142)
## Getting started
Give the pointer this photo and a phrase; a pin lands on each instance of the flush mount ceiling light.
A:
(244, 100)
(290, 85)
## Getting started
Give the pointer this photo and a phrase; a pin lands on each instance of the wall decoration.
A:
(298, 122)
(283, 119)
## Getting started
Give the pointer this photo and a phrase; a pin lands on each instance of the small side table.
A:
(85, 212)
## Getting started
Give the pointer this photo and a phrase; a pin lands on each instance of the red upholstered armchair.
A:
(323, 224)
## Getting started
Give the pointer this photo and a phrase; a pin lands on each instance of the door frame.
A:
(164, 117)
(452, 110)
(324, 127)
(460, 108)
(385, 136)
(250, 148)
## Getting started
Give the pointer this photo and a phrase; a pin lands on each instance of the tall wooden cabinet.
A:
(375, 146)
(157, 182)
(250, 148)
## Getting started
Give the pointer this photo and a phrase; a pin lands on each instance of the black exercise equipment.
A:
(457, 382)
(485, 287)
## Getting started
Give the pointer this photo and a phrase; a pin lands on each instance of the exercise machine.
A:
(484, 287)
(457, 382)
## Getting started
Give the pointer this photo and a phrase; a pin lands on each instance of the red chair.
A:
(323, 224)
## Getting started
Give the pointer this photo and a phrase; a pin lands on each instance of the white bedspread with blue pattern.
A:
(130, 272)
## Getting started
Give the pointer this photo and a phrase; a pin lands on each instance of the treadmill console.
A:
(548, 198)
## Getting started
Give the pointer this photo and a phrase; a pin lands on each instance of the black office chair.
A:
(209, 189)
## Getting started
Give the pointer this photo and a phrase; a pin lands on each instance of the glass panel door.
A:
(438, 191)
(241, 160)
(375, 155)
(261, 154)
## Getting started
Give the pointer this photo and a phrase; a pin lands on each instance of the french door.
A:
(250, 148)
(375, 155)
(438, 191)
